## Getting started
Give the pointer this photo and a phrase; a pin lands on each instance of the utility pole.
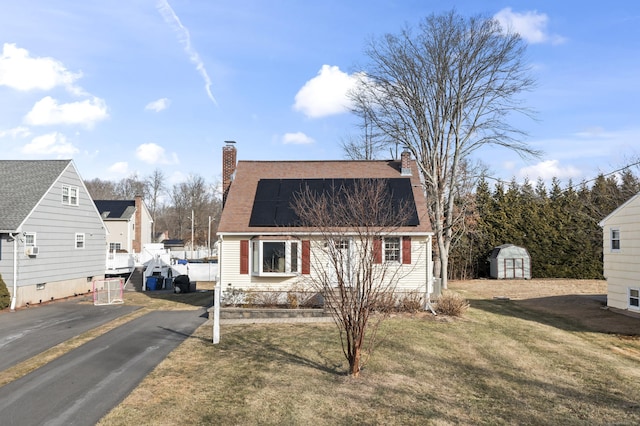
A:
(191, 233)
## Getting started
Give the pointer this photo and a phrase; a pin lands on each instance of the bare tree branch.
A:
(444, 92)
(348, 269)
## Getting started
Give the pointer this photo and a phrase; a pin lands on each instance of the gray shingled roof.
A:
(23, 183)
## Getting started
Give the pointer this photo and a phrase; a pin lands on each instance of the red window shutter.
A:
(377, 250)
(244, 256)
(306, 257)
(406, 250)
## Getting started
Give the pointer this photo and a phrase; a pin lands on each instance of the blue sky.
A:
(128, 87)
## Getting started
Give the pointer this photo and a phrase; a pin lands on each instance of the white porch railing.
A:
(120, 261)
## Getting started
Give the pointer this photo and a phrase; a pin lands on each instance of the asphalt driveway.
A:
(28, 332)
(83, 385)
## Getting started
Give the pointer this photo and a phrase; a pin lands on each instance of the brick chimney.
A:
(405, 159)
(137, 224)
(228, 168)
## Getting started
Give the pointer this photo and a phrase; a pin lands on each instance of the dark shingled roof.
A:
(23, 183)
(116, 209)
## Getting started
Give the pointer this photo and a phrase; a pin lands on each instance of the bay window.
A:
(275, 257)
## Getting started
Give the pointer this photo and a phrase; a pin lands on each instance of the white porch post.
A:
(216, 296)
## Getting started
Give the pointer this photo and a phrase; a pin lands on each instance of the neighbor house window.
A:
(30, 239)
(275, 257)
(392, 249)
(79, 240)
(70, 195)
(114, 246)
(634, 298)
(615, 239)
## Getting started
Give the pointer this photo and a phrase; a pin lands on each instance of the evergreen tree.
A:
(5, 297)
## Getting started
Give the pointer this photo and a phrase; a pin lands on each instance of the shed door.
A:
(514, 268)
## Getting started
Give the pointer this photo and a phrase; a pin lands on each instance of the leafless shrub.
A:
(266, 298)
(298, 297)
(410, 302)
(452, 304)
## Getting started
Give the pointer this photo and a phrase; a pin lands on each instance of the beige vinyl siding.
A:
(622, 267)
(120, 231)
(230, 267)
(413, 276)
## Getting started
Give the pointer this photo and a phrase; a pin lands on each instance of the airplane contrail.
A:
(172, 19)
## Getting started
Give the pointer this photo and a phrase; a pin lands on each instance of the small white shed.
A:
(510, 262)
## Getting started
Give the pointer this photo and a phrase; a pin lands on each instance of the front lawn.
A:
(503, 363)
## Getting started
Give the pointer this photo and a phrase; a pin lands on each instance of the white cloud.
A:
(152, 153)
(20, 71)
(121, 168)
(50, 144)
(47, 111)
(16, 132)
(158, 105)
(546, 170)
(172, 19)
(326, 93)
(297, 138)
(531, 25)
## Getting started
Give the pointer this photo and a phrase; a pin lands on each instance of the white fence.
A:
(197, 271)
(159, 261)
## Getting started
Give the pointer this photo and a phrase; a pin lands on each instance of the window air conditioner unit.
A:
(32, 251)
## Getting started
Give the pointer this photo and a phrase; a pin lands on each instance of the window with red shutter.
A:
(377, 250)
(306, 257)
(406, 250)
(244, 256)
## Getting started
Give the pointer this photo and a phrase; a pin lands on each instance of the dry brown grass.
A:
(504, 362)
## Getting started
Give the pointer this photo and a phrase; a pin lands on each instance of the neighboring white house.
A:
(128, 222)
(259, 249)
(52, 239)
(621, 255)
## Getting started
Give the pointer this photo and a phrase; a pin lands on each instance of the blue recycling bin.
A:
(152, 283)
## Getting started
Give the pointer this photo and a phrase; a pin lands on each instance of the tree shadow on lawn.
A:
(586, 313)
(501, 390)
(269, 351)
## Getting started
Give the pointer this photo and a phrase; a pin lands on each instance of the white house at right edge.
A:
(621, 256)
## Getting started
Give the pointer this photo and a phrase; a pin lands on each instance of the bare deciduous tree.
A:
(101, 189)
(346, 265)
(192, 195)
(156, 187)
(129, 187)
(444, 92)
(366, 147)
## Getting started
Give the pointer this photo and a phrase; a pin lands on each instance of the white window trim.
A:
(629, 290)
(119, 246)
(611, 240)
(34, 244)
(82, 239)
(71, 193)
(384, 250)
(260, 272)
